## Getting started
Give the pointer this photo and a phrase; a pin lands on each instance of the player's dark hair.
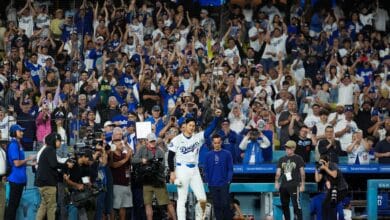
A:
(188, 120)
(216, 136)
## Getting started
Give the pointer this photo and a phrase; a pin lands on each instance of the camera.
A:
(254, 133)
(80, 198)
(151, 172)
(318, 165)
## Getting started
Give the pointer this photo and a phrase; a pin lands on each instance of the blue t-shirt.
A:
(122, 120)
(366, 73)
(15, 152)
(34, 68)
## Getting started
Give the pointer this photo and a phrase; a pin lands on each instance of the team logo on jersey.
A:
(185, 150)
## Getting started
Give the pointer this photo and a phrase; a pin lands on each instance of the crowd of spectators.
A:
(311, 73)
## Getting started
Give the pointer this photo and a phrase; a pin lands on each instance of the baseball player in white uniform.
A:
(185, 147)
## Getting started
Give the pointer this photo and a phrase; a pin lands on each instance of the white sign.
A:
(142, 129)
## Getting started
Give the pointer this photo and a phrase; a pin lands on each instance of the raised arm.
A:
(264, 143)
(96, 11)
(24, 8)
(244, 143)
(209, 130)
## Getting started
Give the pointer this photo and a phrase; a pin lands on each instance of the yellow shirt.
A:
(55, 26)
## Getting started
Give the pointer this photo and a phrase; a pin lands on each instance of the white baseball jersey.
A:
(187, 149)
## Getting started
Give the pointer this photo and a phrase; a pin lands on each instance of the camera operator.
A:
(336, 188)
(101, 158)
(152, 165)
(47, 177)
(253, 144)
(78, 180)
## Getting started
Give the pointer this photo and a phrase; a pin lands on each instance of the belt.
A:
(189, 165)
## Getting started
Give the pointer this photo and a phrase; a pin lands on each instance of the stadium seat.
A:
(343, 160)
(277, 154)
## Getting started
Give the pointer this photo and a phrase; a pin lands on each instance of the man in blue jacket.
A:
(218, 169)
(230, 140)
(253, 144)
(18, 177)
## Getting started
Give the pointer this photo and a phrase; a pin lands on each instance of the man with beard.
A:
(337, 116)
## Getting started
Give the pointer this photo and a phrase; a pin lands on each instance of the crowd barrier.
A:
(248, 192)
(310, 168)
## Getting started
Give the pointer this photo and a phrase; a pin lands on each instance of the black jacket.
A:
(47, 168)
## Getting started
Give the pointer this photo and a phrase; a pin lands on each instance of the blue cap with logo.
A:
(15, 128)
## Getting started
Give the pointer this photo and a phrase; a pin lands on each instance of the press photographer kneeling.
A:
(80, 179)
(335, 186)
(150, 171)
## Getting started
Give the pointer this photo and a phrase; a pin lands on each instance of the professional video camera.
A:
(79, 198)
(91, 189)
(150, 173)
(92, 141)
(92, 138)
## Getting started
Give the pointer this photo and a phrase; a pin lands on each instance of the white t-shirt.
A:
(42, 59)
(255, 45)
(381, 18)
(299, 71)
(279, 43)
(345, 139)
(312, 120)
(366, 19)
(333, 115)
(129, 49)
(27, 23)
(3, 161)
(248, 14)
(42, 20)
(5, 124)
(346, 94)
(360, 153)
(61, 131)
(321, 128)
(138, 30)
(258, 89)
(237, 124)
(268, 48)
(187, 148)
(157, 32)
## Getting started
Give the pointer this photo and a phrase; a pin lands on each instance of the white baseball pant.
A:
(188, 177)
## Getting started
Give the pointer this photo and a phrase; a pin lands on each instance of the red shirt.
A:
(121, 175)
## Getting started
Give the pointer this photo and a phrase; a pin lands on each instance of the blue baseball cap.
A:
(123, 104)
(15, 128)
(374, 113)
(108, 136)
